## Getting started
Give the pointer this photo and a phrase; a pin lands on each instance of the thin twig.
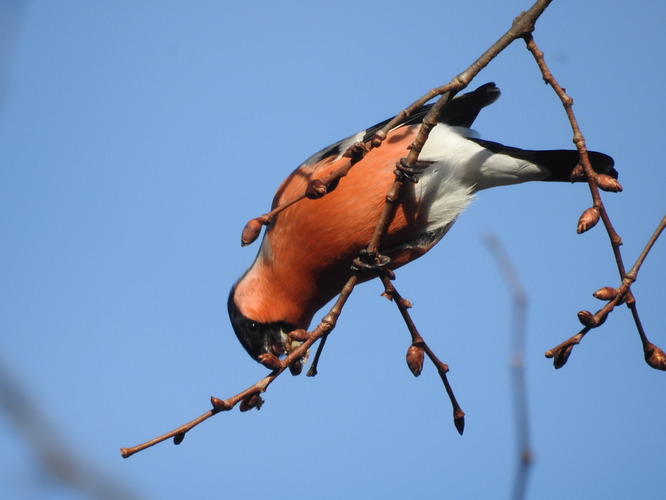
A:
(517, 363)
(561, 353)
(52, 454)
(419, 344)
(331, 319)
(295, 356)
(654, 356)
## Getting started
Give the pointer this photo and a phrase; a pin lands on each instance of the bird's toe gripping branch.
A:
(409, 171)
(368, 261)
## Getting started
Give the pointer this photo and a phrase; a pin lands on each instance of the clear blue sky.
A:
(137, 138)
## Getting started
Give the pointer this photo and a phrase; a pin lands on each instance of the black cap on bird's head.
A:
(259, 338)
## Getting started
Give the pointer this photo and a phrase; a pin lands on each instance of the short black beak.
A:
(258, 338)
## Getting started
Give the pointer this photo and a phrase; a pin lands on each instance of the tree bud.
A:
(560, 355)
(251, 232)
(578, 173)
(296, 367)
(587, 220)
(253, 401)
(299, 335)
(219, 404)
(356, 152)
(459, 420)
(316, 189)
(415, 356)
(605, 293)
(587, 319)
(270, 361)
(608, 183)
(378, 138)
(655, 357)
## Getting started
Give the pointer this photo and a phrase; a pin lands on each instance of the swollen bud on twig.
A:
(250, 402)
(316, 189)
(415, 356)
(299, 335)
(655, 357)
(296, 367)
(220, 404)
(608, 183)
(178, 438)
(587, 319)
(377, 139)
(578, 173)
(356, 152)
(270, 361)
(605, 293)
(560, 356)
(251, 231)
(587, 220)
(459, 420)
(405, 303)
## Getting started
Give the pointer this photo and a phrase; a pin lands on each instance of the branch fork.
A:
(588, 220)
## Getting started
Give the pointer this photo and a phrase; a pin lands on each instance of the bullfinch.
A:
(306, 253)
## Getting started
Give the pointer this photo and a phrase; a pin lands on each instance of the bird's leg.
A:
(419, 347)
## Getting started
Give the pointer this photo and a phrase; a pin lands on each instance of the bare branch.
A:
(517, 363)
(418, 347)
(560, 354)
(53, 453)
(654, 356)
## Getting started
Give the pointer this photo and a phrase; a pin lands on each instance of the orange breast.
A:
(313, 242)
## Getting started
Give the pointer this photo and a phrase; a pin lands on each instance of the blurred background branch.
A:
(55, 464)
(518, 330)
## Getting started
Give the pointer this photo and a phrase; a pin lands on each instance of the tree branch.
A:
(560, 354)
(517, 363)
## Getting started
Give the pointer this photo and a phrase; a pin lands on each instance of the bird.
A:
(307, 249)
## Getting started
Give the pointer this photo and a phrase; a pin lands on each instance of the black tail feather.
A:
(560, 162)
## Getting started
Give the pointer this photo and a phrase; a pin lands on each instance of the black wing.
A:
(461, 111)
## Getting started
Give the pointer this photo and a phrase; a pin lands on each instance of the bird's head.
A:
(258, 338)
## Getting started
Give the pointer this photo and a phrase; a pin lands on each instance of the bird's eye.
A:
(252, 327)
